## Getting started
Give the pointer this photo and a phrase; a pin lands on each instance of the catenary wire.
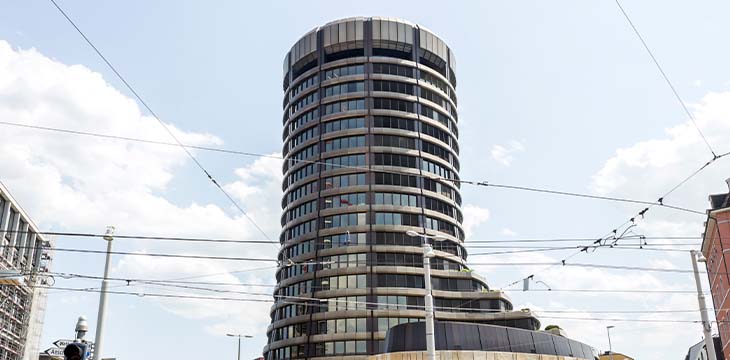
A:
(164, 126)
(369, 169)
(666, 78)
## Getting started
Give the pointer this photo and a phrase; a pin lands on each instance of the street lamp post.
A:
(608, 331)
(706, 325)
(427, 255)
(239, 336)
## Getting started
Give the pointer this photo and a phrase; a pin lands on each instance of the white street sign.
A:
(55, 352)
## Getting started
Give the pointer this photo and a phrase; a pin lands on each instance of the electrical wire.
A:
(146, 237)
(363, 168)
(164, 126)
(666, 78)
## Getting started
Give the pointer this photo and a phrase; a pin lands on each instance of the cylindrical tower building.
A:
(370, 145)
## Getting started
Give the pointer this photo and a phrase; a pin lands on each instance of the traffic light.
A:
(76, 351)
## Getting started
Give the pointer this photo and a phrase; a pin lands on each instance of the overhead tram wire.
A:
(164, 126)
(368, 169)
(666, 78)
(468, 244)
(660, 201)
(148, 237)
(386, 304)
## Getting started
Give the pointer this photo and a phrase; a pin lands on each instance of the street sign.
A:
(62, 343)
(54, 352)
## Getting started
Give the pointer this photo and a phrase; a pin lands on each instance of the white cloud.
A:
(83, 184)
(508, 232)
(503, 154)
(473, 217)
(650, 168)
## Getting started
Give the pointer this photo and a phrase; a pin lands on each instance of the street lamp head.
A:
(439, 238)
(231, 335)
(610, 327)
(412, 233)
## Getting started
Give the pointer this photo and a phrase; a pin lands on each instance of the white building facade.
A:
(25, 257)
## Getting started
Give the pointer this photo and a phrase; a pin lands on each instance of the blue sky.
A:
(557, 95)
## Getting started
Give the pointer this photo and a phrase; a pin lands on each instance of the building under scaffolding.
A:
(25, 256)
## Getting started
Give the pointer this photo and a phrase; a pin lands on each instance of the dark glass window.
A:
(344, 124)
(394, 123)
(344, 143)
(341, 106)
(343, 71)
(393, 86)
(345, 88)
(344, 181)
(395, 160)
(393, 104)
(396, 179)
(394, 141)
(393, 69)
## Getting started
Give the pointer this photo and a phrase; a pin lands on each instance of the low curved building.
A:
(371, 152)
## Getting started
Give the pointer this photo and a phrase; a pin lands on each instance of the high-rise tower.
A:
(370, 142)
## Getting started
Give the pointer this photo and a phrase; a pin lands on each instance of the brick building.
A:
(715, 244)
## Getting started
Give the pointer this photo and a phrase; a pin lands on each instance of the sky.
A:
(557, 95)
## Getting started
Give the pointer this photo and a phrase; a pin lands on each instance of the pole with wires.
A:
(99, 338)
(706, 327)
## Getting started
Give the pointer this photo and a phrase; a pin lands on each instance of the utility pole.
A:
(610, 348)
(98, 340)
(706, 327)
(427, 255)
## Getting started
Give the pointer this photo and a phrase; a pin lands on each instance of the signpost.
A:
(62, 343)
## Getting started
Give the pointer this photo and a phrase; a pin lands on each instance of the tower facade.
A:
(371, 152)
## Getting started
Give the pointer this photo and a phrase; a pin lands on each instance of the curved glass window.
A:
(345, 200)
(344, 181)
(302, 210)
(344, 143)
(353, 219)
(348, 239)
(302, 173)
(341, 106)
(305, 135)
(389, 218)
(301, 229)
(435, 81)
(305, 84)
(394, 141)
(303, 119)
(396, 179)
(305, 101)
(345, 88)
(393, 86)
(393, 69)
(392, 122)
(396, 199)
(433, 149)
(342, 282)
(346, 161)
(344, 71)
(301, 191)
(344, 124)
(393, 104)
(396, 160)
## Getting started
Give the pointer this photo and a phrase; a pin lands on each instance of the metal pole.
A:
(610, 349)
(99, 338)
(239, 347)
(430, 337)
(706, 327)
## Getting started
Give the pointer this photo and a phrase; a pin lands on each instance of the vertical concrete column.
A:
(5, 221)
(31, 251)
(22, 244)
(14, 227)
